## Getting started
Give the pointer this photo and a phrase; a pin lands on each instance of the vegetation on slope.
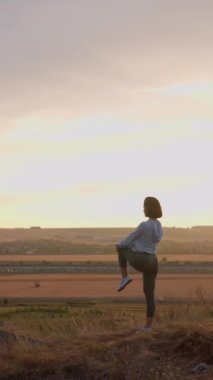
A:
(99, 341)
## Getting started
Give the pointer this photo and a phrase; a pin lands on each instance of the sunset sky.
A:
(101, 104)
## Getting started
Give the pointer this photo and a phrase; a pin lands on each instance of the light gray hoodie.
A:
(145, 237)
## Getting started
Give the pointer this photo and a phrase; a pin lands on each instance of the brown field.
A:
(100, 258)
(83, 285)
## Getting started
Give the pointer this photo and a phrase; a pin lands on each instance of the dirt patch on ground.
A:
(83, 285)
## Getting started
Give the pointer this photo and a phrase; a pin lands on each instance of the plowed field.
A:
(83, 285)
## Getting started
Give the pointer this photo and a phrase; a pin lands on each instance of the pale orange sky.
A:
(101, 104)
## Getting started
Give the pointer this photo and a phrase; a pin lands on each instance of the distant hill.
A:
(101, 235)
(195, 233)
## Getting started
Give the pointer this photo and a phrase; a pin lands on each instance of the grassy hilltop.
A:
(95, 340)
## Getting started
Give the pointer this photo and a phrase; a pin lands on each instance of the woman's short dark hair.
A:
(152, 208)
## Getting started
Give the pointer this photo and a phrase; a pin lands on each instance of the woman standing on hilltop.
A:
(139, 250)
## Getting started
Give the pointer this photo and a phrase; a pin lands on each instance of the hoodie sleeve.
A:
(132, 237)
(158, 232)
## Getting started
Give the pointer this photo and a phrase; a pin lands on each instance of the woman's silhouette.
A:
(139, 250)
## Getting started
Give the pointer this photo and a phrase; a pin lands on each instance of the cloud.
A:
(79, 58)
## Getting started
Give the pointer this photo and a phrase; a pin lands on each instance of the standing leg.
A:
(149, 278)
(149, 291)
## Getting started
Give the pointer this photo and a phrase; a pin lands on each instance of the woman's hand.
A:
(117, 248)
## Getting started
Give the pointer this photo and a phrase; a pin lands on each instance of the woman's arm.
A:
(132, 237)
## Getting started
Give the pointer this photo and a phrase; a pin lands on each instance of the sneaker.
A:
(124, 282)
(144, 329)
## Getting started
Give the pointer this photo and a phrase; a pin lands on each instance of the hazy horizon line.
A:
(36, 227)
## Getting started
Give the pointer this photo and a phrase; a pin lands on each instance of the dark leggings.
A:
(147, 264)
